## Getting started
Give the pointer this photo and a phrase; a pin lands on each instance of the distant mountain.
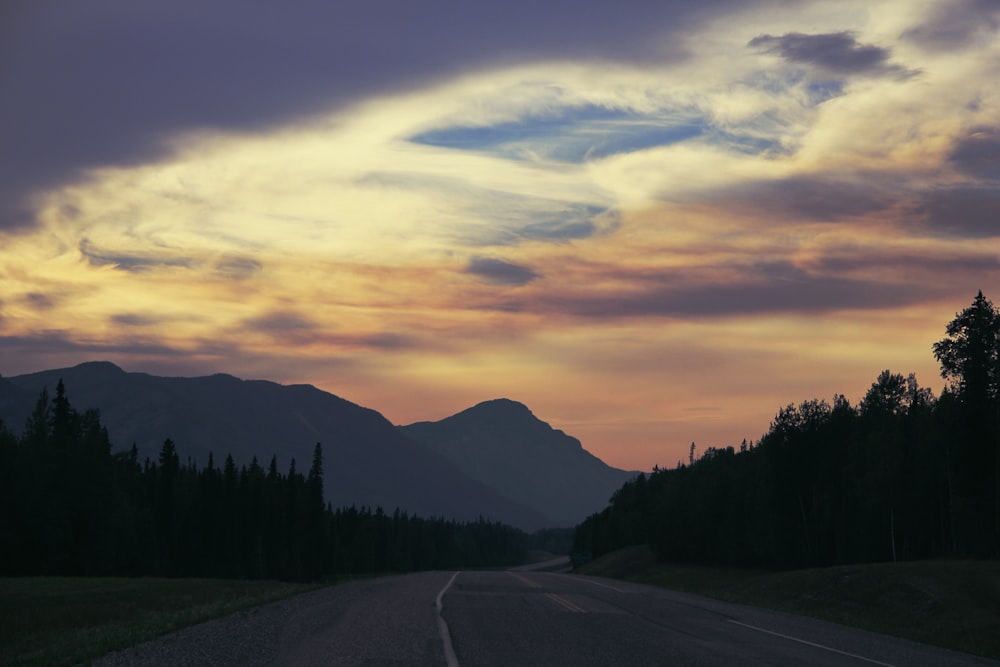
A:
(503, 445)
(367, 461)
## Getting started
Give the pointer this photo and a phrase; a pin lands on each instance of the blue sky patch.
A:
(574, 135)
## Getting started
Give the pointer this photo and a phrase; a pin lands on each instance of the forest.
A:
(72, 507)
(902, 475)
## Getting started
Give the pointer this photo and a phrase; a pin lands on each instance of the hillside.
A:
(367, 461)
(503, 445)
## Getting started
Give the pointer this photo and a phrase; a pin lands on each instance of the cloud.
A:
(935, 261)
(965, 211)
(978, 153)
(142, 74)
(613, 293)
(838, 53)
(137, 320)
(285, 326)
(956, 25)
(500, 272)
(40, 301)
(48, 349)
(281, 323)
(819, 198)
(488, 216)
(388, 341)
(131, 263)
(237, 268)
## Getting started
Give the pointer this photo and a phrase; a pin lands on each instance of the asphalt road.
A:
(526, 618)
(519, 619)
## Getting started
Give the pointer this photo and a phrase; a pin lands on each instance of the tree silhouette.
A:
(970, 361)
(903, 475)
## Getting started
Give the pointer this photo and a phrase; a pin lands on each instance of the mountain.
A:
(366, 460)
(503, 445)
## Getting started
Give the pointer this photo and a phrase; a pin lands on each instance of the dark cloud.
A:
(280, 323)
(867, 260)
(821, 198)
(132, 263)
(389, 341)
(135, 320)
(499, 272)
(837, 52)
(978, 153)
(956, 24)
(291, 327)
(237, 268)
(109, 82)
(39, 301)
(967, 211)
(55, 348)
(765, 288)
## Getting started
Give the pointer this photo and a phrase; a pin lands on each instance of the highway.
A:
(520, 619)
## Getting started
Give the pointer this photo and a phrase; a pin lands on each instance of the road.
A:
(520, 618)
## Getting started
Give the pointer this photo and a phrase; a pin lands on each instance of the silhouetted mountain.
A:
(15, 405)
(367, 461)
(503, 445)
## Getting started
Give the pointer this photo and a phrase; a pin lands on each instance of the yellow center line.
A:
(565, 603)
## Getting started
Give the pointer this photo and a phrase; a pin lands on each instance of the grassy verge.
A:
(949, 603)
(65, 620)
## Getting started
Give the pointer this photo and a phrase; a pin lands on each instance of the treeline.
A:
(902, 475)
(71, 507)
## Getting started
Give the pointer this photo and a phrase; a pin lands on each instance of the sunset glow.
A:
(651, 230)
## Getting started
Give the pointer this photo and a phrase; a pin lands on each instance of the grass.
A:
(954, 604)
(67, 620)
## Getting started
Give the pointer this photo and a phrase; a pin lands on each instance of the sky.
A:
(652, 223)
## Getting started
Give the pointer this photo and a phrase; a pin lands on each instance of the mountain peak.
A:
(502, 407)
(101, 367)
(503, 445)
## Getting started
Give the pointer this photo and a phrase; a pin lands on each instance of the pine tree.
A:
(970, 361)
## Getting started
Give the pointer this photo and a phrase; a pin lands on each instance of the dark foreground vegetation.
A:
(954, 604)
(903, 475)
(51, 621)
(71, 507)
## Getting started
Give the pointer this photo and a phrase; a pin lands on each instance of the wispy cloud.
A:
(128, 262)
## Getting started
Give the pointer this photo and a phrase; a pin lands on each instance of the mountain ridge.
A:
(367, 462)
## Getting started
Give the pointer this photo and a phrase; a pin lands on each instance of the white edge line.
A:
(808, 643)
(449, 650)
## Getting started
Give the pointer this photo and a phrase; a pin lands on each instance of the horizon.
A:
(650, 225)
(563, 428)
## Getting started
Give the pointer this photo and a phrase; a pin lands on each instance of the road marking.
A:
(808, 643)
(565, 603)
(449, 650)
(597, 583)
(524, 580)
